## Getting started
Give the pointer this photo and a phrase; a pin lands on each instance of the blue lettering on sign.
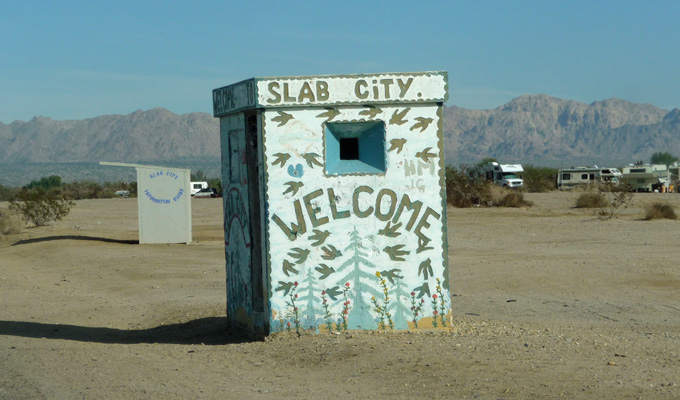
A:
(155, 174)
(155, 200)
(179, 194)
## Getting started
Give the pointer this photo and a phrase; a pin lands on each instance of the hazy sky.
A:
(81, 59)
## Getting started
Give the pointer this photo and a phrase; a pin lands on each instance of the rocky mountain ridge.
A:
(536, 129)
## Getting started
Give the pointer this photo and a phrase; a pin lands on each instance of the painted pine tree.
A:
(400, 309)
(312, 299)
(359, 272)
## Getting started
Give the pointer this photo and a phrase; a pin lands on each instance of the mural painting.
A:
(351, 171)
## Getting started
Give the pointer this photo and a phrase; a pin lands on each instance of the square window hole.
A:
(354, 148)
(349, 149)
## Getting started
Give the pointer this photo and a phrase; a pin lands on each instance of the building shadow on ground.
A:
(74, 237)
(208, 331)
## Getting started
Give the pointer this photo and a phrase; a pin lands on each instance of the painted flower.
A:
(413, 294)
(377, 273)
(295, 283)
(434, 296)
(346, 284)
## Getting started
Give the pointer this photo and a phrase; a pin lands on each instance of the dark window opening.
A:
(349, 148)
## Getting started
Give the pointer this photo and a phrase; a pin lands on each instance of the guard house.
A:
(335, 202)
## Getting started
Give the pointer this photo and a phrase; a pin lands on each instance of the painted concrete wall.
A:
(330, 236)
(237, 232)
(164, 205)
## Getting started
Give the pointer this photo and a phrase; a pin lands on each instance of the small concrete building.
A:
(164, 203)
(335, 202)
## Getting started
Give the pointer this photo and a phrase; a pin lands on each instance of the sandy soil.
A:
(549, 302)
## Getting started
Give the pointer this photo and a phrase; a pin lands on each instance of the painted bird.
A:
(324, 270)
(280, 158)
(422, 290)
(425, 268)
(395, 252)
(299, 254)
(426, 155)
(288, 267)
(330, 252)
(293, 187)
(284, 287)
(397, 144)
(422, 123)
(329, 114)
(282, 118)
(390, 230)
(311, 159)
(371, 112)
(391, 274)
(398, 116)
(319, 237)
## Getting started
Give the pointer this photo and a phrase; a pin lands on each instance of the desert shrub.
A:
(40, 207)
(46, 182)
(618, 197)
(660, 211)
(9, 223)
(514, 199)
(464, 191)
(591, 200)
(6, 194)
(539, 179)
(85, 190)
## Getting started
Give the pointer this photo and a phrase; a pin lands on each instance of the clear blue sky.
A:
(81, 59)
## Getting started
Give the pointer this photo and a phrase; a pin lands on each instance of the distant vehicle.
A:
(197, 186)
(506, 175)
(207, 192)
(646, 177)
(122, 193)
(569, 178)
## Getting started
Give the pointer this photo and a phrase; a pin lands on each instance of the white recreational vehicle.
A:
(569, 178)
(197, 186)
(647, 177)
(506, 175)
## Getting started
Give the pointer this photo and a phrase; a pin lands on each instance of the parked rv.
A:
(506, 175)
(197, 186)
(647, 177)
(569, 178)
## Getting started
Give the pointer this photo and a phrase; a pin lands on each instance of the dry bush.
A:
(463, 191)
(591, 200)
(514, 199)
(9, 223)
(40, 207)
(660, 211)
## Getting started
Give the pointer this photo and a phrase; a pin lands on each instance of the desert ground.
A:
(548, 302)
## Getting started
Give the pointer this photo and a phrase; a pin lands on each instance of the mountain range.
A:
(531, 129)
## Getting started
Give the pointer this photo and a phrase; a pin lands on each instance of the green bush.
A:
(40, 207)
(9, 223)
(539, 179)
(591, 200)
(46, 182)
(6, 194)
(660, 211)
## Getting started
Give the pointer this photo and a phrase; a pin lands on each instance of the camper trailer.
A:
(646, 177)
(506, 175)
(571, 177)
(198, 186)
